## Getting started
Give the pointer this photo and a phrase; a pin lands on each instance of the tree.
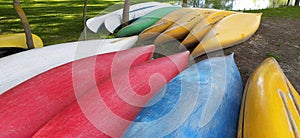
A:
(184, 3)
(288, 3)
(297, 3)
(21, 13)
(84, 19)
(126, 13)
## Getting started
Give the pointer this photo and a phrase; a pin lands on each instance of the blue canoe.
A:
(203, 101)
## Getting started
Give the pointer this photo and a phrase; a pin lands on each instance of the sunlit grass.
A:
(282, 12)
(55, 21)
(58, 21)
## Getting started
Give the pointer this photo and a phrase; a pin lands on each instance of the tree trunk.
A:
(84, 19)
(184, 3)
(297, 3)
(288, 3)
(126, 13)
(25, 23)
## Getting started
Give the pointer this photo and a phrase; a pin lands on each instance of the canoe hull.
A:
(183, 26)
(145, 21)
(20, 69)
(271, 100)
(231, 30)
(19, 41)
(163, 24)
(105, 110)
(34, 102)
(136, 11)
(203, 101)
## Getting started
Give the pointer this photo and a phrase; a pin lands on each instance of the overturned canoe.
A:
(203, 101)
(145, 21)
(25, 65)
(231, 30)
(30, 105)
(183, 26)
(106, 110)
(270, 106)
(19, 41)
(203, 27)
(113, 20)
(163, 24)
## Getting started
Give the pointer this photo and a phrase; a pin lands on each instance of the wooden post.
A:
(84, 20)
(184, 3)
(297, 3)
(288, 3)
(20, 12)
(126, 13)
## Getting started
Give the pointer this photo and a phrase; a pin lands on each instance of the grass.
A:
(55, 21)
(270, 54)
(282, 12)
(58, 21)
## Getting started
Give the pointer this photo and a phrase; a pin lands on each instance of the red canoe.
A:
(106, 111)
(29, 106)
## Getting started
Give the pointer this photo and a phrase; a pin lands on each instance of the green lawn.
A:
(282, 12)
(55, 21)
(58, 21)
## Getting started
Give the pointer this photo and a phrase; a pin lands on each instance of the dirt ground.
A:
(278, 36)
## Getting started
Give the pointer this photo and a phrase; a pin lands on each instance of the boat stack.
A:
(118, 88)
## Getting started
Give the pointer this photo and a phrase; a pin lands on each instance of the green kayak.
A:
(145, 21)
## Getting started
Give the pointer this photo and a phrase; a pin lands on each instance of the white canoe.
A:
(20, 67)
(113, 20)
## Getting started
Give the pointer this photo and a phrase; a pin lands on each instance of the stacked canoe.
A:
(106, 88)
(18, 41)
(197, 29)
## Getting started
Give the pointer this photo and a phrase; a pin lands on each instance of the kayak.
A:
(19, 41)
(203, 27)
(25, 65)
(30, 105)
(106, 111)
(183, 26)
(163, 24)
(231, 30)
(270, 106)
(145, 21)
(203, 101)
(113, 20)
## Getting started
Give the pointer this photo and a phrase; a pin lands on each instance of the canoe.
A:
(145, 21)
(203, 27)
(183, 26)
(203, 102)
(162, 24)
(270, 106)
(232, 30)
(113, 20)
(19, 41)
(107, 110)
(25, 65)
(30, 105)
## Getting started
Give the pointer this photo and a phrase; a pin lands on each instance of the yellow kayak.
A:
(18, 41)
(231, 30)
(163, 23)
(183, 26)
(203, 27)
(270, 107)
